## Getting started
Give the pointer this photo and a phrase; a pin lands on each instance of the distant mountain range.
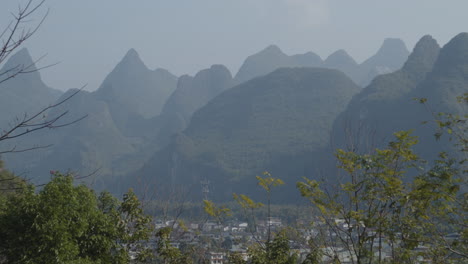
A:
(286, 114)
(390, 57)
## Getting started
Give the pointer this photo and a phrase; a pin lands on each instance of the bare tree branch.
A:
(31, 124)
(15, 150)
(13, 36)
(20, 29)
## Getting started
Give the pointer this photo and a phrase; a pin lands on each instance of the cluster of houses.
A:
(216, 241)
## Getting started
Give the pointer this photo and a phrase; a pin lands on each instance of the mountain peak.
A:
(217, 73)
(131, 56)
(130, 63)
(424, 55)
(340, 57)
(261, 63)
(132, 53)
(308, 59)
(340, 53)
(271, 49)
(425, 44)
(426, 39)
(393, 48)
(393, 44)
(453, 56)
(23, 58)
(220, 68)
(459, 42)
(21, 61)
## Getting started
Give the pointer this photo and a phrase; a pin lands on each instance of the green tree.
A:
(276, 251)
(168, 254)
(133, 227)
(10, 184)
(452, 212)
(315, 254)
(217, 212)
(64, 223)
(60, 224)
(381, 206)
(268, 183)
(235, 258)
(248, 207)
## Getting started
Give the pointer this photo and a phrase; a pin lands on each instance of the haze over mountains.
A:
(250, 127)
(279, 113)
(24, 93)
(388, 104)
(386, 98)
(390, 57)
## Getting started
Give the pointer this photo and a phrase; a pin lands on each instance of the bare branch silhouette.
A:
(25, 22)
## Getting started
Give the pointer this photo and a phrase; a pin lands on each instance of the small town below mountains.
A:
(216, 241)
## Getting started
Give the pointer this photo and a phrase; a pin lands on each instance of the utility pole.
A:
(205, 188)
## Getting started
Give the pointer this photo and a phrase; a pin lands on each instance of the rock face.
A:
(133, 89)
(389, 58)
(448, 79)
(387, 104)
(25, 93)
(248, 128)
(193, 93)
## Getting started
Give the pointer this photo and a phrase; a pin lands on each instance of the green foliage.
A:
(456, 126)
(166, 253)
(133, 227)
(380, 204)
(64, 223)
(10, 184)
(235, 258)
(248, 206)
(268, 182)
(315, 255)
(276, 251)
(246, 202)
(215, 211)
(60, 224)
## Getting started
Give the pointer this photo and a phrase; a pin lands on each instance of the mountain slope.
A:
(133, 90)
(340, 60)
(193, 93)
(25, 93)
(390, 57)
(93, 143)
(387, 104)
(114, 130)
(246, 129)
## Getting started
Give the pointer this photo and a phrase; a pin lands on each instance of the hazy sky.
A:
(89, 37)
